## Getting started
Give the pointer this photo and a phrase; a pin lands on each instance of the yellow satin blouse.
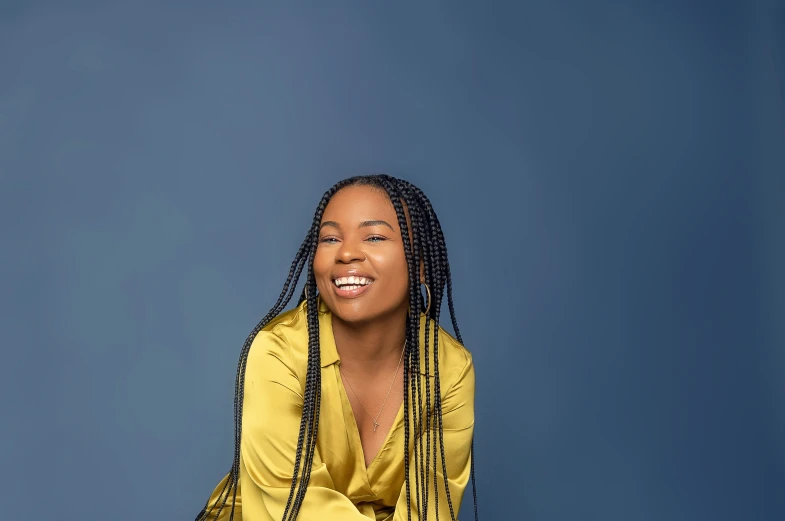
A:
(341, 488)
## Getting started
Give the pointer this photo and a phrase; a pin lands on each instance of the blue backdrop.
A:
(609, 176)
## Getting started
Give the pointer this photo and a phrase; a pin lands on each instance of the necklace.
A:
(375, 420)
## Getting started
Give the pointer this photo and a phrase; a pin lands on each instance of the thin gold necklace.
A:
(375, 420)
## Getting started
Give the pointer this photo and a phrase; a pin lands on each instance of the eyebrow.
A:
(363, 224)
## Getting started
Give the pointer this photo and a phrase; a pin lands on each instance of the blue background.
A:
(609, 176)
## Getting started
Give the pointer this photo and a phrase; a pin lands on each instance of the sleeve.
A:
(213, 508)
(458, 425)
(272, 409)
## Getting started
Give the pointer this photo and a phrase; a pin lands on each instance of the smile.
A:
(349, 287)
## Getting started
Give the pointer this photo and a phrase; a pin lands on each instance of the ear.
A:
(422, 271)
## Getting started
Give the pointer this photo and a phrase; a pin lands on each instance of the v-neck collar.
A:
(353, 429)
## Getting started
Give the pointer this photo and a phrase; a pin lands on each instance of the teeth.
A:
(352, 282)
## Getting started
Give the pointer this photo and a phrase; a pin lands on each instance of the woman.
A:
(357, 391)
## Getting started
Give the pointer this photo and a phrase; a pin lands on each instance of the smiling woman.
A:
(356, 404)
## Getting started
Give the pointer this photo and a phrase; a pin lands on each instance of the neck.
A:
(370, 347)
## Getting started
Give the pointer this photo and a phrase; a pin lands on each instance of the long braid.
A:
(307, 426)
(314, 375)
(433, 275)
(312, 396)
(285, 295)
(422, 419)
(412, 251)
(438, 408)
(406, 372)
(304, 253)
(433, 238)
(443, 264)
(423, 243)
(434, 280)
(426, 243)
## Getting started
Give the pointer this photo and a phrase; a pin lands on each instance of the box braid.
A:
(443, 276)
(427, 244)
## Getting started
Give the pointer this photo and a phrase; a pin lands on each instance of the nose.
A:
(349, 252)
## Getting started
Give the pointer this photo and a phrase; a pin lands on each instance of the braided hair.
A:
(426, 245)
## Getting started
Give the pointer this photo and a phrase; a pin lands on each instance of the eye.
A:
(376, 238)
(328, 240)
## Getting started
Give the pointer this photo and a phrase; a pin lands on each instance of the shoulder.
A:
(456, 382)
(453, 350)
(455, 360)
(281, 344)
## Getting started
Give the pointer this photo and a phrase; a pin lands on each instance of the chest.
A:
(374, 405)
(365, 464)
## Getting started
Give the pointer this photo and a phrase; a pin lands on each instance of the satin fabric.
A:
(341, 488)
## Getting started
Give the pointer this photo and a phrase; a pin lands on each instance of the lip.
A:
(350, 293)
(350, 273)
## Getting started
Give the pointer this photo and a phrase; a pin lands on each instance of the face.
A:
(360, 265)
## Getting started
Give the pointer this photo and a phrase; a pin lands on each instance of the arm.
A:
(272, 408)
(458, 424)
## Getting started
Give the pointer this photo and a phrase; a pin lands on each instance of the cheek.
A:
(402, 285)
(321, 266)
(396, 274)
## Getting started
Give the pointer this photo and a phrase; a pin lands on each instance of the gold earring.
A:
(428, 290)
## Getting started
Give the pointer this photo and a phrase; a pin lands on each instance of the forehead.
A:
(360, 203)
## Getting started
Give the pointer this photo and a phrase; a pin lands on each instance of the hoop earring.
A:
(428, 290)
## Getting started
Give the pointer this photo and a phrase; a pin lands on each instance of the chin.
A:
(354, 311)
(351, 312)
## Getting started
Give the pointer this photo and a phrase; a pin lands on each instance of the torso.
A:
(366, 466)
